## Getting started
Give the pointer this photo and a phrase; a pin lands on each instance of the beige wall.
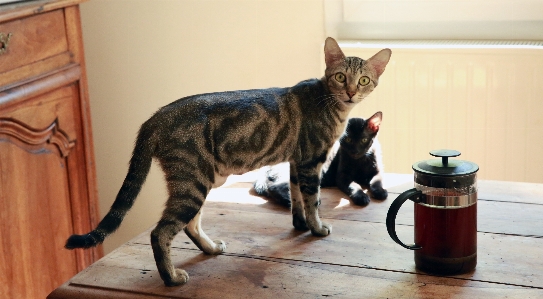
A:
(143, 54)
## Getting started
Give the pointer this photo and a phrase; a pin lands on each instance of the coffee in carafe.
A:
(445, 196)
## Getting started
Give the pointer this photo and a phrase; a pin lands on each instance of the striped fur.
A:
(353, 163)
(200, 140)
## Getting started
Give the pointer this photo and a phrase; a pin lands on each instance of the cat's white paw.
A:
(220, 246)
(324, 230)
(180, 277)
(214, 247)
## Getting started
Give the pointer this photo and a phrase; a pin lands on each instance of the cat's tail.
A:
(140, 163)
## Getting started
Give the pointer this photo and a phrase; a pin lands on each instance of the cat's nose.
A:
(351, 94)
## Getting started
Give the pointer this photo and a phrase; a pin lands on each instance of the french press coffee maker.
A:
(445, 197)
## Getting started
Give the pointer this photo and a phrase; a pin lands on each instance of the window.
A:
(434, 19)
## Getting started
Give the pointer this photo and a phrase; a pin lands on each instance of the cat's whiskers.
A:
(328, 101)
(325, 98)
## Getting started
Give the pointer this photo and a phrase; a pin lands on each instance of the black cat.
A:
(354, 163)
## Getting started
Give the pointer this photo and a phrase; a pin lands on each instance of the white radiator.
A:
(483, 99)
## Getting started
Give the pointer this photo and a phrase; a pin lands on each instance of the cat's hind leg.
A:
(187, 196)
(195, 232)
(161, 239)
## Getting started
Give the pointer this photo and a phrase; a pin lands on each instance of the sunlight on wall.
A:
(144, 54)
(486, 103)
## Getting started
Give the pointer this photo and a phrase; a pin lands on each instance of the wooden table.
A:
(266, 258)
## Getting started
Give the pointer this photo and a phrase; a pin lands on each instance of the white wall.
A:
(431, 19)
(485, 103)
(143, 54)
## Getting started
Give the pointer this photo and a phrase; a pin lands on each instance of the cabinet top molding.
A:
(18, 10)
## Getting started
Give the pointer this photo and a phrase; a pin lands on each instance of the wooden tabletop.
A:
(266, 258)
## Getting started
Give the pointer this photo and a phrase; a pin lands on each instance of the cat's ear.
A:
(332, 53)
(374, 122)
(379, 61)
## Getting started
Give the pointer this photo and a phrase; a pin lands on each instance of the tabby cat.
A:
(200, 140)
(355, 162)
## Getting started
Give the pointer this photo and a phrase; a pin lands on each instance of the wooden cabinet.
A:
(47, 174)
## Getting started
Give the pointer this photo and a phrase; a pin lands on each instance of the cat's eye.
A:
(348, 139)
(364, 81)
(340, 77)
(364, 140)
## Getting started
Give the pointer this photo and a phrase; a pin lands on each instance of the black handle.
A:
(415, 196)
(445, 154)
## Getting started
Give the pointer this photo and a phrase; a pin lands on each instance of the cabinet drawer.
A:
(36, 45)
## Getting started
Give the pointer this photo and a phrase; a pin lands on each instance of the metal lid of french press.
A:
(445, 166)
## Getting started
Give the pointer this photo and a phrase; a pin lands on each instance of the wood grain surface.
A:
(267, 258)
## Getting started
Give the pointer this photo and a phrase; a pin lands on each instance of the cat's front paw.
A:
(180, 277)
(299, 222)
(360, 198)
(220, 246)
(213, 247)
(324, 230)
(379, 193)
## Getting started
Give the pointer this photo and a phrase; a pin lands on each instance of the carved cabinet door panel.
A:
(47, 174)
(38, 144)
